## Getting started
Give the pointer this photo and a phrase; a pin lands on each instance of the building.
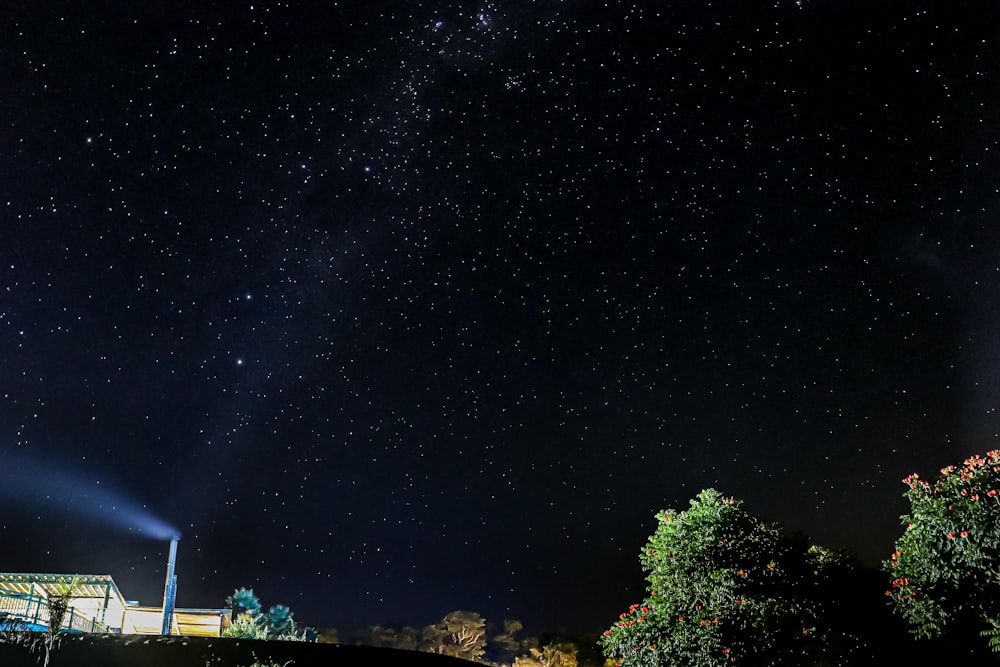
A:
(96, 605)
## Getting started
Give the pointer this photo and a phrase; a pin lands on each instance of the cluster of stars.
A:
(389, 291)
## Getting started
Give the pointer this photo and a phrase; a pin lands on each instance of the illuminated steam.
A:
(28, 483)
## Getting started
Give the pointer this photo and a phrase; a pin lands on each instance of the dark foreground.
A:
(132, 651)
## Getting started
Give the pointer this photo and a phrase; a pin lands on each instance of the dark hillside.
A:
(120, 651)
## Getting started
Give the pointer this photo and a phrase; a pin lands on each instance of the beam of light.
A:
(33, 484)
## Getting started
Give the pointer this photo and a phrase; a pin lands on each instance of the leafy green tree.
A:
(946, 566)
(461, 634)
(724, 587)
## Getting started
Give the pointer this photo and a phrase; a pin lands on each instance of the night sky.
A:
(395, 308)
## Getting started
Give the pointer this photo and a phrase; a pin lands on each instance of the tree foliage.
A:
(406, 638)
(249, 623)
(724, 587)
(946, 566)
(466, 635)
(461, 634)
(556, 654)
(58, 604)
(242, 601)
(504, 644)
(327, 636)
(280, 621)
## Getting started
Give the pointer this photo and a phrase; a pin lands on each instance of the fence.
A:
(33, 611)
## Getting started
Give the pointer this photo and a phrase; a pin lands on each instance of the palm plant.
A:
(280, 622)
(243, 601)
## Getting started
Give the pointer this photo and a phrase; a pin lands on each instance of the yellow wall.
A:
(189, 622)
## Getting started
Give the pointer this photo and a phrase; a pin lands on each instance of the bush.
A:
(724, 587)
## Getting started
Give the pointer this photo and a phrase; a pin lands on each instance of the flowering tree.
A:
(724, 587)
(947, 563)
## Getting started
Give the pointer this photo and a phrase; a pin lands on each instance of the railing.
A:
(33, 610)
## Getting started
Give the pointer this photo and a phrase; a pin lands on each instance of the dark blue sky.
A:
(399, 308)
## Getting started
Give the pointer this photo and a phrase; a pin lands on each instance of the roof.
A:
(84, 585)
(102, 589)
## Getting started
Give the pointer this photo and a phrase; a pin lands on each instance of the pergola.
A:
(97, 606)
(96, 603)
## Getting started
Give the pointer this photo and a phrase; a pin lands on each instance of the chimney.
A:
(170, 589)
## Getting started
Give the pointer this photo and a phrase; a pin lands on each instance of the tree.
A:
(460, 634)
(280, 621)
(724, 587)
(327, 636)
(407, 638)
(249, 623)
(58, 604)
(242, 601)
(503, 645)
(946, 566)
(556, 654)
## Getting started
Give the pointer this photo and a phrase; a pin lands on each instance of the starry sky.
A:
(394, 308)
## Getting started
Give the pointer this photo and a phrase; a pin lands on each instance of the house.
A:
(97, 606)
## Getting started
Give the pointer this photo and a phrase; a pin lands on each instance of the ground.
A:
(132, 651)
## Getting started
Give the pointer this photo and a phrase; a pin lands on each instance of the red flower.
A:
(607, 633)
(951, 535)
(964, 533)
